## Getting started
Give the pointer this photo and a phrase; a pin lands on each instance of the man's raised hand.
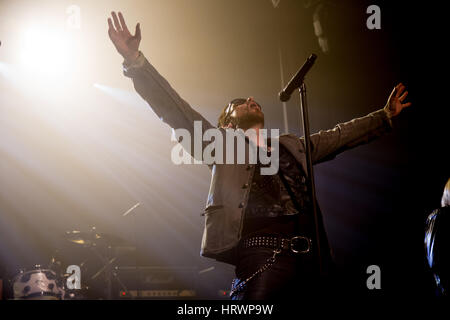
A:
(395, 102)
(126, 44)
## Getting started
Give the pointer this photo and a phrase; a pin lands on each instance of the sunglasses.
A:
(234, 103)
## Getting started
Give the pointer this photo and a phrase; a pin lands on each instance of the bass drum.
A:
(39, 284)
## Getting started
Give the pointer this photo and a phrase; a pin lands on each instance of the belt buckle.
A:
(308, 241)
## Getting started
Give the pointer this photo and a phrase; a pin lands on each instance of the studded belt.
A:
(297, 244)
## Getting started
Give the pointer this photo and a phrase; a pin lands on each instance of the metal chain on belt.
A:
(266, 266)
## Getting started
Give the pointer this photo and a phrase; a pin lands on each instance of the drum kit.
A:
(38, 284)
(94, 254)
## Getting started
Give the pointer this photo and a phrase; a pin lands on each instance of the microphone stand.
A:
(297, 82)
(310, 172)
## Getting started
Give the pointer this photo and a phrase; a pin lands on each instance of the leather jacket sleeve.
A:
(164, 100)
(326, 144)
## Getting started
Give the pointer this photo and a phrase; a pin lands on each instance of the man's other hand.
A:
(395, 102)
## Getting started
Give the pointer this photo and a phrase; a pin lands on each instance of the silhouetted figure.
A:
(437, 243)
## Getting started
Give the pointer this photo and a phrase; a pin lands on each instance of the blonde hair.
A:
(445, 202)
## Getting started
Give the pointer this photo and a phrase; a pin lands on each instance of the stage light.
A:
(320, 17)
(46, 51)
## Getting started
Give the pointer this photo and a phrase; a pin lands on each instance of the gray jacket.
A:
(230, 184)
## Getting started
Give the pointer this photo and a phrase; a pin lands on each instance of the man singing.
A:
(262, 224)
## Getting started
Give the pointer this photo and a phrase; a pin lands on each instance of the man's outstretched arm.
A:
(150, 85)
(328, 143)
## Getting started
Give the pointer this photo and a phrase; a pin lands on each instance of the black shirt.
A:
(279, 203)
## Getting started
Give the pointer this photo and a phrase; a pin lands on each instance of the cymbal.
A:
(88, 239)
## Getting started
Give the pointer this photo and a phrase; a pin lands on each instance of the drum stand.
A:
(107, 260)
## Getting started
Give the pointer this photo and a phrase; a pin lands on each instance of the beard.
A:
(250, 119)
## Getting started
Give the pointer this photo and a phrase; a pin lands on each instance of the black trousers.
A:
(290, 277)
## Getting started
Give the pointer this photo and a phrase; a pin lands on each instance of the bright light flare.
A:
(5, 70)
(123, 96)
(46, 51)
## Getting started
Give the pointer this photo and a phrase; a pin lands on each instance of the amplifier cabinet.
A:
(149, 282)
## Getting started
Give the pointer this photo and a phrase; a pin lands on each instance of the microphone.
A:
(297, 80)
